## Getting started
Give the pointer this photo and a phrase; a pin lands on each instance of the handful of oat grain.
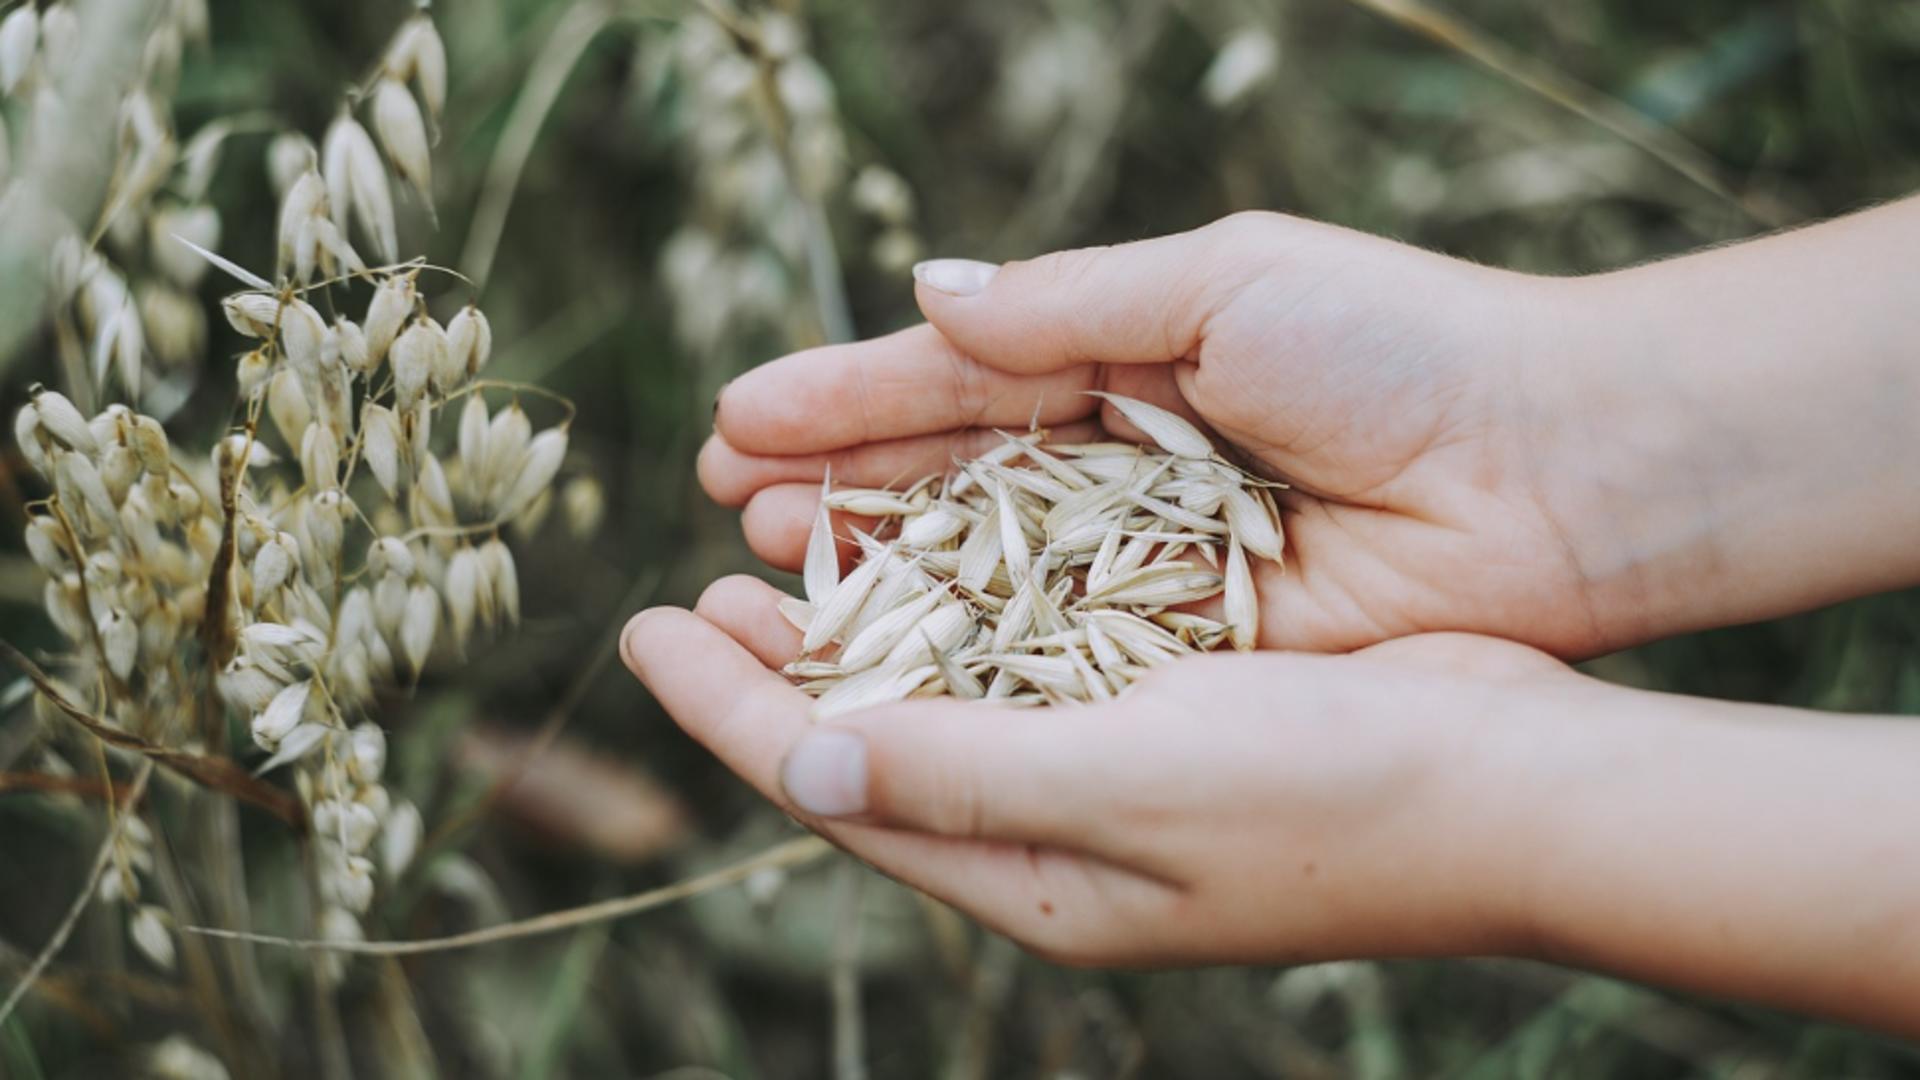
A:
(1035, 574)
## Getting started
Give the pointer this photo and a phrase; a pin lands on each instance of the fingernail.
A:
(826, 773)
(716, 397)
(955, 277)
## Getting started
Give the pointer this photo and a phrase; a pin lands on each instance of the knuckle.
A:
(1244, 223)
(966, 385)
(960, 809)
(1060, 269)
(722, 594)
(908, 783)
(1240, 245)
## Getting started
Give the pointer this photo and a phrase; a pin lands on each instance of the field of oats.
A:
(405, 325)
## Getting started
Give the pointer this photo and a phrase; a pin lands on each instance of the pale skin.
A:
(1493, 473)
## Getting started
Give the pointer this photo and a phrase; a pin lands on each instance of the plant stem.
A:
(791, 853)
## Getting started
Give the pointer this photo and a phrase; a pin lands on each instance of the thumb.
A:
(1143, 302)
(952, 768)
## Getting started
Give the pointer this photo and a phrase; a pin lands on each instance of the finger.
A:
(971, 771)
(778, 520)
(749, 717)
(731, 476)
(913, 382)
(963, 769)
(1144, 302)
(716, 690)
(747, 609)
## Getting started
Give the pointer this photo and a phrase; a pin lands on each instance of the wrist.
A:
(1742, 850)
(1544, 744)
(1697, 426)
(1457, 864)
(1605, 446)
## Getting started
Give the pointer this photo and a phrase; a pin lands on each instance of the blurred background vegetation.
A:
(680, 196)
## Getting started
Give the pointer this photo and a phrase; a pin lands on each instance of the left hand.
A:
(1246, 808)
(1442, 794)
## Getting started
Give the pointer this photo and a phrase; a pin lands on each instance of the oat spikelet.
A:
(397, 120)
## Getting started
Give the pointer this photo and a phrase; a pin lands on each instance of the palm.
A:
(1370, 385)
(1412, 507)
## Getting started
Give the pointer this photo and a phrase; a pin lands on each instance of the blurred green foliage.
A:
(1020, 127)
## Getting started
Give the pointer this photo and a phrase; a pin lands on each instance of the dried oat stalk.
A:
(1036, 574)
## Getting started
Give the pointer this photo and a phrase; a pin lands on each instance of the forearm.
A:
(1752, 852)
(1736, 434)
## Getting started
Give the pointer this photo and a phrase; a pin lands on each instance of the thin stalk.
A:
(791, 853)
(545, 79)
(843, 976)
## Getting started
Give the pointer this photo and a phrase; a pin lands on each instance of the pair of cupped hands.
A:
(1480, 491)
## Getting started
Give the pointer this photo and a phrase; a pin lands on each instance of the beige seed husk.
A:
(357, 185)
(1242, 606)
(831, 615)
(59, 418)
(19, 37)
(473, 441)
(26, 435)
(463, 593)
(1035, 573)
(304, 201)
(470, 338)
(418, 622)
(426, 55)
(1171, 432)
(351, 342)
(380, 445)
(539, 465)
(392, 302)
(402, 131)
(504, 576)
(447, 370)
(414, 358)
(501, 450)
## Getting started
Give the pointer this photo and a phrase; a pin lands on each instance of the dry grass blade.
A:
(792, 853)
(541, 89)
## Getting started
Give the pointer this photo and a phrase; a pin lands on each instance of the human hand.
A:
(1243, 808)
(1434, 795)
(1577, 464)
(1388, 385)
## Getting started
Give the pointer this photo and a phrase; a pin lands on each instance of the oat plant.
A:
(341, 537)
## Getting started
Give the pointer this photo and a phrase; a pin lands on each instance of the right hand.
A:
(1397, 391)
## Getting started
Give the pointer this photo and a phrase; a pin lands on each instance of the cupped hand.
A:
(1243, 808)
(1397, 390)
